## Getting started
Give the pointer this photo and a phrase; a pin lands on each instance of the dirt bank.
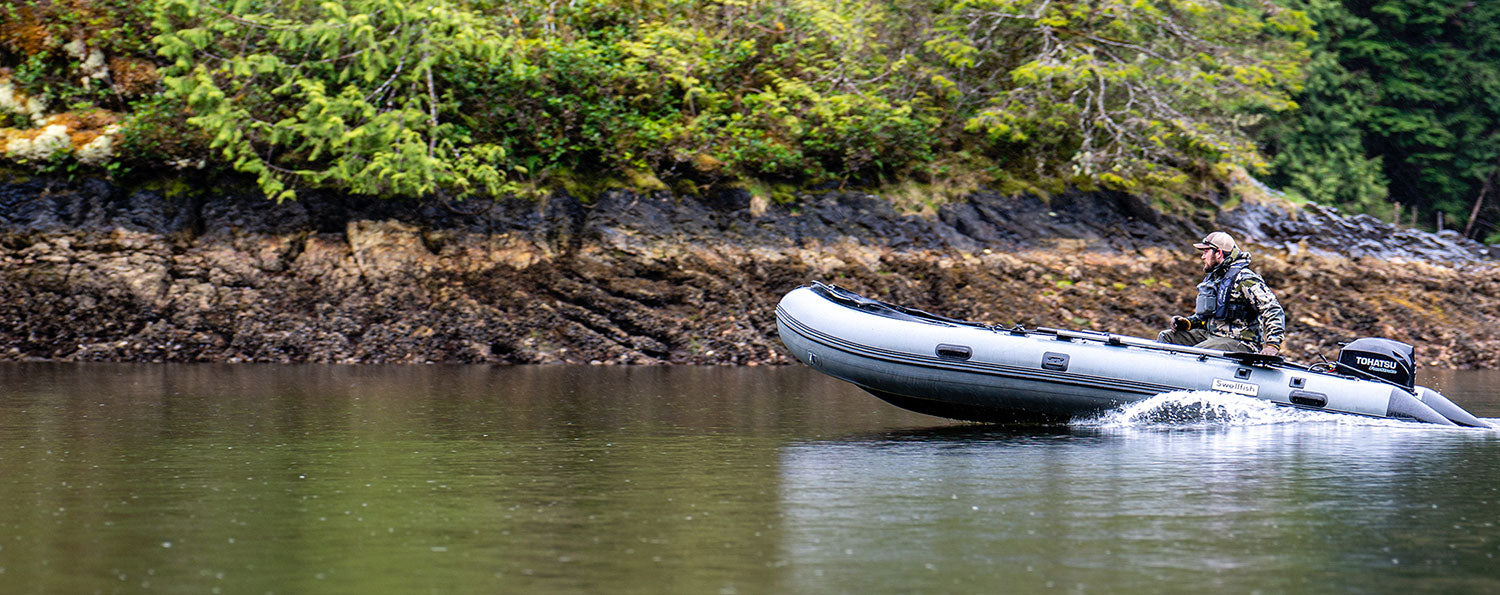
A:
(92, 272)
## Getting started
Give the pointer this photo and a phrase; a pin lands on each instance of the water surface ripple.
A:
(255, 479)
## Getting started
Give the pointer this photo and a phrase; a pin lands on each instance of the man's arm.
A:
(1272, 317)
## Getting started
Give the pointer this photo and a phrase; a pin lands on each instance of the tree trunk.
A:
(1478, 202)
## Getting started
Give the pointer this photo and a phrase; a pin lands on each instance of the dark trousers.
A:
(1201, 338)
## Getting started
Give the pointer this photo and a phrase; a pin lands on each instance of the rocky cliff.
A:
(93, 272)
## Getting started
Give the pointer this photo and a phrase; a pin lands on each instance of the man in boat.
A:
(1235, 310)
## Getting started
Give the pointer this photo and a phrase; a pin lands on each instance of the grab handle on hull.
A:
(958, 352)
(1308, 398)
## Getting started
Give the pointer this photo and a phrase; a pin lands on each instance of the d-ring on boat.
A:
(976, 372)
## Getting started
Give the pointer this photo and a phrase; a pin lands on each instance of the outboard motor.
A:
(1395, 361)
(1382, 358)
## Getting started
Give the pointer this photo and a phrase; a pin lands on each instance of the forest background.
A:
(1390, 108)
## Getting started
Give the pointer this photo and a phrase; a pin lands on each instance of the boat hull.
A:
(968, 371)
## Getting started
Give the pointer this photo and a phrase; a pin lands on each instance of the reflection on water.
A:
(1281, 507)
(580, 479)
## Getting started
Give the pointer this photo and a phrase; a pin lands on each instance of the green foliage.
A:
(353, 95)
(1318, 151)
(14, 120)
(479, 97)
(781, 91)
(156, 133)
(1404, 94)
(1119, 93)
(34, 36)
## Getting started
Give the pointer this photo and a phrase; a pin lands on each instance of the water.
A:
(255, 479)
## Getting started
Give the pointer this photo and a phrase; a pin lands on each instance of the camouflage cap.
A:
(1219, 240)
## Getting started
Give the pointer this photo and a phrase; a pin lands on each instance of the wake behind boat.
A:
(976, 372)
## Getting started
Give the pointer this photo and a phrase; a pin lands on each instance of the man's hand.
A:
(1270, 350)
(1179, 324)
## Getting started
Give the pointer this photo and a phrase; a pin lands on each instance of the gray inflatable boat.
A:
(975, 372)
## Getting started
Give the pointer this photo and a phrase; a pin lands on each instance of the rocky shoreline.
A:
(94, 272)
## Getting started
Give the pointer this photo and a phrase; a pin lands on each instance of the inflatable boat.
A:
(977, 372)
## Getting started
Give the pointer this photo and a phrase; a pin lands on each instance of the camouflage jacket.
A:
(1265, 323)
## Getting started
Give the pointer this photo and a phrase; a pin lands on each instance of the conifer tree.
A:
(1418, 83)
(1318, 151)
(349, 94)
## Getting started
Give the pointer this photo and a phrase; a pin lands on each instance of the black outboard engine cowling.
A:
(1382, 358)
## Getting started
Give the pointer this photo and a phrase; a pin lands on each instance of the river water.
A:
(256, 479)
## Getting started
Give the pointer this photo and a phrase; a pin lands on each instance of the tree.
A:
(796, 90)
(465, 97)
(1123, 94)
(1318, 150)
(1438, 66)
(352, 94)
(1418, 83)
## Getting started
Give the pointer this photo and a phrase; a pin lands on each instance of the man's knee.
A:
(1223, 344)
(1176, 337)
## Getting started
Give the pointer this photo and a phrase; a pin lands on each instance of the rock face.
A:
(94, 273)
(1323, 230)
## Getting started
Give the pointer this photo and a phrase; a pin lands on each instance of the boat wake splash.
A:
(1180, 409)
